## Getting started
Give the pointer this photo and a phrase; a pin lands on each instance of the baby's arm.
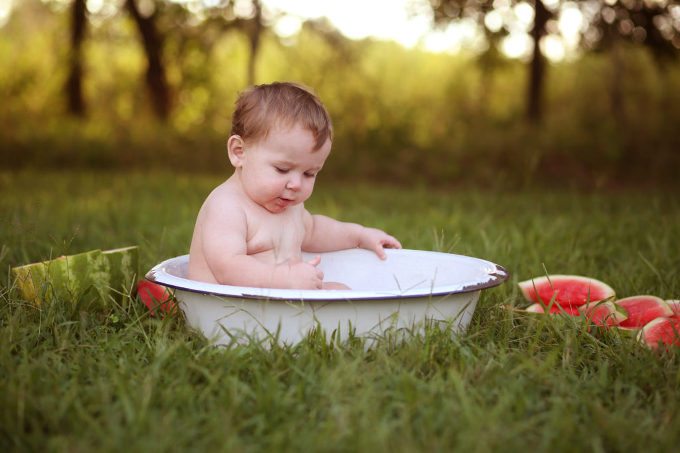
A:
(224, 249)
(324, 234)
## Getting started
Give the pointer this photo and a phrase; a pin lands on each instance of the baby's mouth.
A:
(283, 202)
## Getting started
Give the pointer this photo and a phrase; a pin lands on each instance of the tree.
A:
(202, 29)
(74, 82)
(537, 73)
(255, 31)
(152, 42)
(653, 23)
(447, 11)
(214, 18)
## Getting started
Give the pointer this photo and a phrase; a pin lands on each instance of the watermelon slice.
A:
(569, 291)
(29, 280)
(85, 277)
(675, 306)
(124, 268)
(661, 331)
(603, 314)
(643, 309)
(156, 297)
(66, 277)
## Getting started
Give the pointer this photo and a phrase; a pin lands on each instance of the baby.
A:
(252, 228)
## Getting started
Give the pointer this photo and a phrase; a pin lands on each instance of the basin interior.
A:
(405, 272)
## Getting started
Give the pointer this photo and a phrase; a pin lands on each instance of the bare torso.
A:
(275, 238)
(272, 238)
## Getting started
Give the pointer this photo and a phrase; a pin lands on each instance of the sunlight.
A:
(5, 11)
(382, 19)
(525, 14)
(517, 45)
(288, 26)
(389, 19)
(570, 25)
(407, 22)
(493, 20)
(553, 47)
(452, 39)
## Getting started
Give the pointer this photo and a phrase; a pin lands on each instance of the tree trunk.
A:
(537, 68)
(255, 32)
(616, 85)
(74, 83)
(155, 74)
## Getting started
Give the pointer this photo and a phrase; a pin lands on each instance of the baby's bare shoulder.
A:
(223, 201)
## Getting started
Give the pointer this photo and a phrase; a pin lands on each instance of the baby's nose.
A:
(294, 182)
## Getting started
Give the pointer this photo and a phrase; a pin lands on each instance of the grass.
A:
(121, 380)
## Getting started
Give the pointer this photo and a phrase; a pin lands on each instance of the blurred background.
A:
(503, 93)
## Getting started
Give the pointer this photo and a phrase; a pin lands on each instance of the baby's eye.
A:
(281, 170)
(310, 174)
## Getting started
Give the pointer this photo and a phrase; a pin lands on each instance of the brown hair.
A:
(261, 107)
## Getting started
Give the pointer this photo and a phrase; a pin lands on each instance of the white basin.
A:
(407, 290)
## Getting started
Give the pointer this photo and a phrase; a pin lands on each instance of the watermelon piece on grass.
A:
(643, 309)
(94, 278)
(124, 268)
(661, 332)
(80, 277)
(603, 314)
(156, 297)
(29, 280)
(570, 291)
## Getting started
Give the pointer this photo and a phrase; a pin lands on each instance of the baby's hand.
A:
(377, 241)
(305, 274)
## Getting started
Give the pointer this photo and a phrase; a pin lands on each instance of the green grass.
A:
(121, 380)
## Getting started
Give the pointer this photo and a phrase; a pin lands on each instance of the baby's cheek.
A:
(306, 191)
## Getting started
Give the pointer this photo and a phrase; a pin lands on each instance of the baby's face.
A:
(280, 170)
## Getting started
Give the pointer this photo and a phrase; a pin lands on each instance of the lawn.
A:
(121, 380)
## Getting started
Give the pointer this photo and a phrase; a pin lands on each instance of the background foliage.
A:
(402, 115)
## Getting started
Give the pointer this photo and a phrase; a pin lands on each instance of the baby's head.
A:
(261, 108)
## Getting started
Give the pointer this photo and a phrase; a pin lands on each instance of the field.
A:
(122, 380)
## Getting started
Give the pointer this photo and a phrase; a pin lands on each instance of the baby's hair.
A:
(261, 107)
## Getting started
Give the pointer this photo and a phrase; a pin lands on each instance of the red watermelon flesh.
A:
(568, 290)
(604, 314)
(156, 296)
(643, 309)
(661, 331)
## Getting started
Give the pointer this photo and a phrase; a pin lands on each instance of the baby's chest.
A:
(280, 234)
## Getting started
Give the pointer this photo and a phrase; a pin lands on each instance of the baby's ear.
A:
(236, 148)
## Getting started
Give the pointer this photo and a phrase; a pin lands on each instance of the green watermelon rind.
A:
(66, 277)
(533, 286)
(92, 279)
(629, 332)
(535, 308)
(28, 279)
(124, 272)
(554, 309)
